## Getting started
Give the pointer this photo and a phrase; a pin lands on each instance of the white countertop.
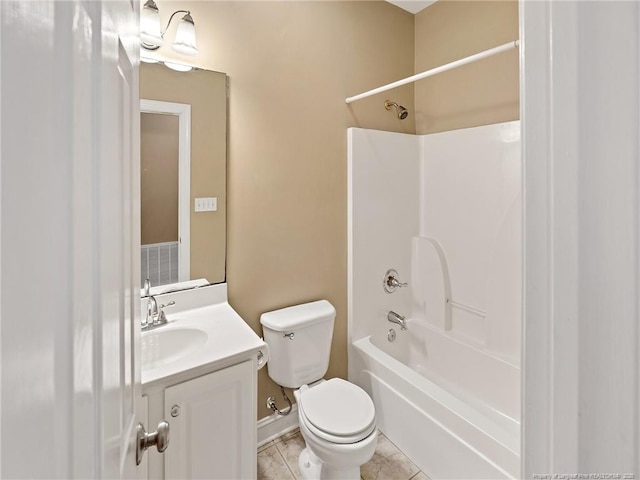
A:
(229, 340)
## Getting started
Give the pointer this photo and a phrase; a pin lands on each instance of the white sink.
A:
(204, 333)
(164, 346)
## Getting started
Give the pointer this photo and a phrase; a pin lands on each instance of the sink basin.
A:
(161, 347)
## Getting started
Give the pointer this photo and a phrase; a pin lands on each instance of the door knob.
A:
(159, 439)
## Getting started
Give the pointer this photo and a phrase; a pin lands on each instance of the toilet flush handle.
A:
(289, 335)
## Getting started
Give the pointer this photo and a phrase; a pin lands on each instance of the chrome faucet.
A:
(152, 311)
(152, 306)
(393, 317)
(155, 313)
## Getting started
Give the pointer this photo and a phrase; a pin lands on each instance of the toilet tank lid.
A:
(290, 318)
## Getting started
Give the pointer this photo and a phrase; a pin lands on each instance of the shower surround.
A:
(444, 210)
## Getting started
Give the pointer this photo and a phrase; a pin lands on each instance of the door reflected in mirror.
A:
(183, 176)
(165, 153)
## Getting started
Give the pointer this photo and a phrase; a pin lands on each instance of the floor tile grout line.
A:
(284, 462)
(293, 471)
(293, 475)
(286, 436)
(396, 450)
(262, 448)
(400, 450)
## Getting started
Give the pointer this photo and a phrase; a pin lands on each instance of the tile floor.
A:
(278, 460)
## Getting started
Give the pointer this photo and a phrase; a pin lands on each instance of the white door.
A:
(69, 238)
(580, 104)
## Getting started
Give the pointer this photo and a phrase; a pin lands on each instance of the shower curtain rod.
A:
(434, 71)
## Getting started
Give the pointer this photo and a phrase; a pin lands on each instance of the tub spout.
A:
(393, 317)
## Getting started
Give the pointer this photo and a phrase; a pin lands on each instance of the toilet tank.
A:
(299, 340)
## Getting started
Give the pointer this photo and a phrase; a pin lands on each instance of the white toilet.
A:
(337, 418)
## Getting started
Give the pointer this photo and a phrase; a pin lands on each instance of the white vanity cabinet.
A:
(199, 373)
(213, 427)
(212, 421)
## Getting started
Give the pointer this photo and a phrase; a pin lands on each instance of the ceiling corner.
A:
(412, 6)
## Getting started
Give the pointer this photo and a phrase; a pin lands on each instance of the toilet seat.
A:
(337, 411)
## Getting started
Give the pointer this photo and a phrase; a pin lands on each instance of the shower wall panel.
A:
(445, 211)
(383, 205)
(471, 205)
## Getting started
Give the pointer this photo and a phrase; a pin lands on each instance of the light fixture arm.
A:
(189, 19)
(186, 18)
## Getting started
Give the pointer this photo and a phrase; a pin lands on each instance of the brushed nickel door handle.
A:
(158, 439)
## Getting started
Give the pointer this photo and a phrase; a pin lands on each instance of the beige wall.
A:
(158, 178)
(206, 92)
(476, 94)
(290, 65)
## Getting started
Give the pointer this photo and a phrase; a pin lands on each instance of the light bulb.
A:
(150, 25)
(185, 42)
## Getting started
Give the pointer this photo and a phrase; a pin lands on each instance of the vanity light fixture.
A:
(152, 38)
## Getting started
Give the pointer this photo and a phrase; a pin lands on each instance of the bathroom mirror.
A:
(183, 155)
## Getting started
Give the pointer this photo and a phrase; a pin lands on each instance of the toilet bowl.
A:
(337, 422)
(336, 418)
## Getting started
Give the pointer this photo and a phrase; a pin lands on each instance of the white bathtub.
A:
(464, 427)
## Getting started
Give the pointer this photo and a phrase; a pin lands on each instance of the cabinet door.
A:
(213, 425)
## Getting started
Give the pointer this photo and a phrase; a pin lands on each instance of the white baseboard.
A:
(274, 426)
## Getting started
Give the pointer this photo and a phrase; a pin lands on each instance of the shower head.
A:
(400, 110)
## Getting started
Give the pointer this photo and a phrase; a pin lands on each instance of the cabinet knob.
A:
(159, 439)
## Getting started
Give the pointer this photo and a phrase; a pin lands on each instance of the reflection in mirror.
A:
(183, 243)
(165, 152)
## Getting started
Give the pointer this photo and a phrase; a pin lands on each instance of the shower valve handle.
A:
(391, 281)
